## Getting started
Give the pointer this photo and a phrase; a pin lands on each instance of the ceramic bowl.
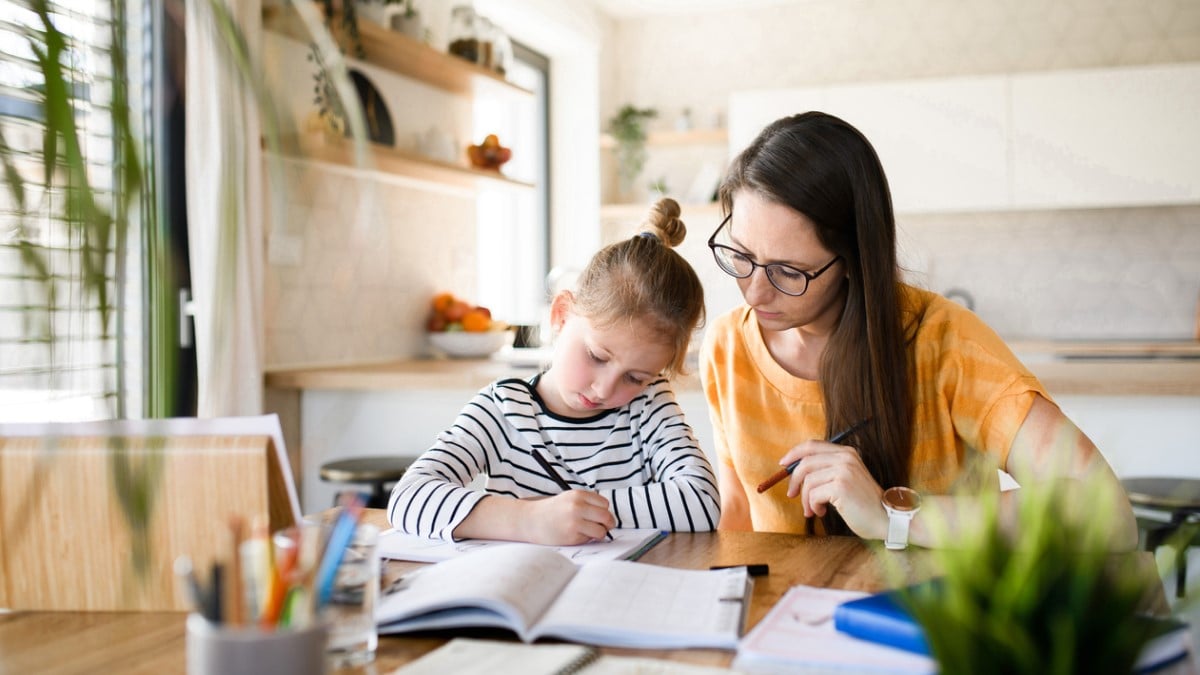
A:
(464, 345)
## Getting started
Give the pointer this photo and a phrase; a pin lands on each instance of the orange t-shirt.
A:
(972, 395)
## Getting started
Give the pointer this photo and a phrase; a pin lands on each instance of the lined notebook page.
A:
(698, 607)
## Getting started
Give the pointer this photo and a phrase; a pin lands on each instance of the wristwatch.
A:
(901, 504)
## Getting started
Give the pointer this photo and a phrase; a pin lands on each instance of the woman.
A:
(830, 336)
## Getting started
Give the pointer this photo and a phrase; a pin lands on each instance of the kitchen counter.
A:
(1065, 368)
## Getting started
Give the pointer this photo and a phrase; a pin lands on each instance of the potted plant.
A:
(629, 131)
(404, 18)
(1047, 598)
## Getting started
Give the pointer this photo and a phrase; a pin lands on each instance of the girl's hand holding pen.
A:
(568, 518)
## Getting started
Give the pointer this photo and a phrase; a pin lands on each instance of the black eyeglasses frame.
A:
(809, 277)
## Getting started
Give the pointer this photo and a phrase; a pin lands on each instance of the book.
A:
(471, 656)
(883, 619)
(797, 635)
(626, 544)
(536, 592)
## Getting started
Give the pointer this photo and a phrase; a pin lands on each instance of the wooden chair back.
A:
(70, 524)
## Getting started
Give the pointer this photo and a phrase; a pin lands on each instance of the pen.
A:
(191, 586)
(787, 470)
(558, 480)
(339, 539)
(549, 469)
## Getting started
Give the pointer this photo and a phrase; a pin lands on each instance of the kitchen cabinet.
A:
(397, 53)
(1065, 139)
(1111, 137)
(942, 142)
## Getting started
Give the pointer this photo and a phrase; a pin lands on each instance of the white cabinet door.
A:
(1064, 139)
(943, 143)
(1107, 137)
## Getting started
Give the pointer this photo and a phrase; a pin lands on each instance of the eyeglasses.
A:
(787, 279)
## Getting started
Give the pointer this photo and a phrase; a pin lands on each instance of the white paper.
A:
(798, 636)
(396, 545)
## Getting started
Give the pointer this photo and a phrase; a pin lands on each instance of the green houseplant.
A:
(628, 129)
(1047, 598)
(99, 224)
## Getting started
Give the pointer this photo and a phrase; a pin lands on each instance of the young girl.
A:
(602, 415)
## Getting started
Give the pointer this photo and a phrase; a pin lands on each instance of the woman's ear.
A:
(560, 307)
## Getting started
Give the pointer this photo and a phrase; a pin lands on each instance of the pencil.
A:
(558, 480)
(787, 470)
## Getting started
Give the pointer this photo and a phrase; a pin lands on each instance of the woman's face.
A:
(769, 232)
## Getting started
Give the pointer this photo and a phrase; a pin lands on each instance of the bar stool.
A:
(1168, 513)
(380, 473)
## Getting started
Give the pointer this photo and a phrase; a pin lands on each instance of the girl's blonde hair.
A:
(643, 278)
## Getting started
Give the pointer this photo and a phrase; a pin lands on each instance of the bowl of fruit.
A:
(462, 330)
(489, 154)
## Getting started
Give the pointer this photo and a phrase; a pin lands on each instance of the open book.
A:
(536, 592)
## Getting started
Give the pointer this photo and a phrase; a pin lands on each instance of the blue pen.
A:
(339, 540)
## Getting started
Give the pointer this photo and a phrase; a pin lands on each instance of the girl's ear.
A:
(560, 307)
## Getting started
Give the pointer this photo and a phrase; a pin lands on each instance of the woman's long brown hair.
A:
(826, 169)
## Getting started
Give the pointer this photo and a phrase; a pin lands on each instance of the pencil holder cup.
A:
(214, 649)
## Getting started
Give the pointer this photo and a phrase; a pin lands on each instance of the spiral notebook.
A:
(470, 656)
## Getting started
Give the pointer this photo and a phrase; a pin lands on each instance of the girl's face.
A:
(769, 232)
(597, 369)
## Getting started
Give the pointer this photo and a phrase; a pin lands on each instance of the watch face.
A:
(902, 499)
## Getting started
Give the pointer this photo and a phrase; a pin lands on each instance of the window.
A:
(64, 351)
(513, 228)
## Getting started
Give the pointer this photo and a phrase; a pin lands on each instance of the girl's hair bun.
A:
(664, 223)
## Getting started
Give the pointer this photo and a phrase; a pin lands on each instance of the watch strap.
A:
(897, 534)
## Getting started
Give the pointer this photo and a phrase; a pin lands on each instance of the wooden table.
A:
(153, 642)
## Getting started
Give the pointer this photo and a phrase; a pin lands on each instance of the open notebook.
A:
(536, 592)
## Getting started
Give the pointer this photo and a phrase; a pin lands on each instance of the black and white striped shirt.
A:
(643, 457)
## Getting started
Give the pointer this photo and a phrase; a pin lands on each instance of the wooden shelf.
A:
(676, 138)
(638, 211)
(387, 160)
(400, 54)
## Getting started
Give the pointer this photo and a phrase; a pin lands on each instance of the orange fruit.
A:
(441, 302)
(456, 310)
(476, 321)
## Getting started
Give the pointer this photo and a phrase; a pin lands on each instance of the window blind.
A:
(63, 351)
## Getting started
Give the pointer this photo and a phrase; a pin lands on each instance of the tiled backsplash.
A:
(1083, 274)
(373, 252)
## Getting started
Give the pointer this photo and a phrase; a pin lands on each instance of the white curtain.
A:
(225, 214)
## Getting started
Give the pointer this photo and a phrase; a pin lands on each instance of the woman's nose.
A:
(757, 288)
